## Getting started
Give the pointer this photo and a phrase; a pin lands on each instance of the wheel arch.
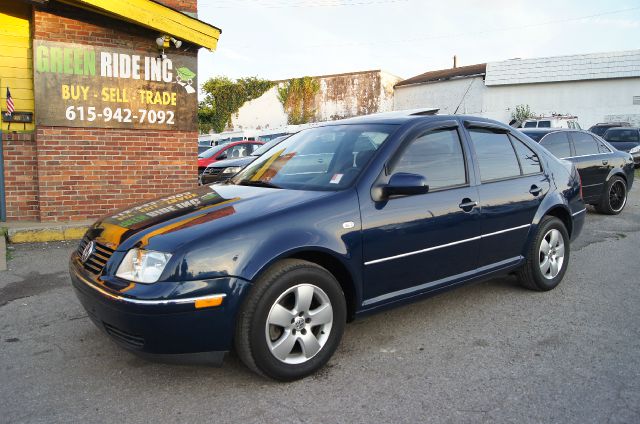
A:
(332, 263)
(560, 212)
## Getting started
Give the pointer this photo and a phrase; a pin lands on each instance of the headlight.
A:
(232, 170)
(635, 149)
(143, 266)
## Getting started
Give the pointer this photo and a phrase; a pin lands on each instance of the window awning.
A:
(149, 14)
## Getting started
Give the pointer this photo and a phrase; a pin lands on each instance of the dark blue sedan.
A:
(334, 223)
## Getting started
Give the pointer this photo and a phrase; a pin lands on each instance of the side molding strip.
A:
(417, 252)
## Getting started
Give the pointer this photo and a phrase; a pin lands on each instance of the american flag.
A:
(10, 106)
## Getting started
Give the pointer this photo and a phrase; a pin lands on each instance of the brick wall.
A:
(84, 172)
(21, 176)
(89, 172)
(190, 6)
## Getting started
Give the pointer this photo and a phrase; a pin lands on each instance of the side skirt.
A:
(412, 294)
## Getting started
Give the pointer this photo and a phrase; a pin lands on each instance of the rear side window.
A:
(496, 156)
(530, 124)
(544, 124)
(529, 161)
(602, 148)
(438, 157)
(584, 144)
(557, 143)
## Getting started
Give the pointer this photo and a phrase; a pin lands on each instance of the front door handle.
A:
(535, 190)
(467, 204)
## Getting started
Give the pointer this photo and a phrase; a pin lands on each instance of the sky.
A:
(281, 39)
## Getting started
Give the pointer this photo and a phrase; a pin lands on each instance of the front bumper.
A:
(138, 320)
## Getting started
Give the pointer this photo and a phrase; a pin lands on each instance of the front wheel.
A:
(614, 197)
(547, 257)
(292, 321)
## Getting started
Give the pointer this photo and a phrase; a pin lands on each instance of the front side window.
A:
(323, 158)
(558, 144)
(544, 124)
(437, 156)
(530, 124)
(496, 156)
(584, 144)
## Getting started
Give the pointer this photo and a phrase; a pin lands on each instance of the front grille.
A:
(131, 340)
(98, 258)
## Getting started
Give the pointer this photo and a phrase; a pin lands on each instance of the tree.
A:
(297, 96)
(224, 97)
(522, 113)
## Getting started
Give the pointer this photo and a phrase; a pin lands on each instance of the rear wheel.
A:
(548, 256)
(292, 321)
(614, 197)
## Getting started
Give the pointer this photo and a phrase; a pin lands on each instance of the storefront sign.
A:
(85, 86)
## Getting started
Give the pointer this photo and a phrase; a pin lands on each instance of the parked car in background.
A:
(202, 149)
(234, 150)
(606, 173)
(625, 139)
(276, 262)
(600, 129)
(222, 170)
(552, 122)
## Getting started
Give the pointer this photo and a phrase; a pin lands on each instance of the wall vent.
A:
(636, 100)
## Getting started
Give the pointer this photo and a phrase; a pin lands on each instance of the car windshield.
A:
(323, 158)
(210, 152)
(619, 134)
(259, 151)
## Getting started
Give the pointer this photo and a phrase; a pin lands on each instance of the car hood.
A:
(169, 222)
(234, 162)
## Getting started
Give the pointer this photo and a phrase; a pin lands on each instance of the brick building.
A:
(105, 98)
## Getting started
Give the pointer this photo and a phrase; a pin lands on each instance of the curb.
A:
(41, 235)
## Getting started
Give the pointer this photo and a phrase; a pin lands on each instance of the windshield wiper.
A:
(257, 184)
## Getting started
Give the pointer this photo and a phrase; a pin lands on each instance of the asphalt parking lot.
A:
(491, 352)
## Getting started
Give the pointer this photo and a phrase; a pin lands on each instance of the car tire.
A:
(547, 257)
(292, 321)
(614, 197)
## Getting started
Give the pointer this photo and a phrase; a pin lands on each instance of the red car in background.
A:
(236, 149)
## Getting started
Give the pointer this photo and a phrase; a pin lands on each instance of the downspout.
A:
(3, 202)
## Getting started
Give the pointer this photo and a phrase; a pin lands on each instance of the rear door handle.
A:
(467, 204)
(535, 190)
(605, 162)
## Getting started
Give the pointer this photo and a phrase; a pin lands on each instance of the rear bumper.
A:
(163, 327)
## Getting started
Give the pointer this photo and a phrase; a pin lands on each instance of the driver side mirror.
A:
(404, 184)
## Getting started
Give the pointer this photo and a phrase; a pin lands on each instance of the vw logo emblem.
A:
(88, 250)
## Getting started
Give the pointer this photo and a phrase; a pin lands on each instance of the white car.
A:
(553, 122)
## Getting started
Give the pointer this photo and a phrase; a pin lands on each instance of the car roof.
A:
(624, 128)
(406, 116)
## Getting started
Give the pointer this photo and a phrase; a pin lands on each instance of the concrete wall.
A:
(467, 93)
(340, 96)
(591, 101)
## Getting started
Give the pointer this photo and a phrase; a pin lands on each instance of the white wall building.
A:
(596, 87)
(340, 96)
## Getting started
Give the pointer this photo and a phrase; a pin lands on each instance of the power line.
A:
(458, 35)
(215, 5)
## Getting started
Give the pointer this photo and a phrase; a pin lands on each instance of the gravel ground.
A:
(491, 352)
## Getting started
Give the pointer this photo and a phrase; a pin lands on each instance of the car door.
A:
(593, 165)
(512, 187)
(414, 243)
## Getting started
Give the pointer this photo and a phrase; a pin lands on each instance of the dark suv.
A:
(334, 223)
(601, 128)
(625, 139)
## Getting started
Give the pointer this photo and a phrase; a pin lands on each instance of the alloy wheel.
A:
(299, 323)
(551, 254)
(617, 196)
